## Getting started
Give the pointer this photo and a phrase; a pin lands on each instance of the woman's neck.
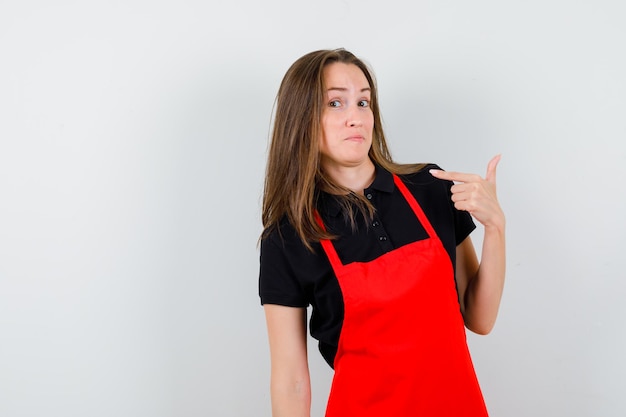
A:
(355, 178)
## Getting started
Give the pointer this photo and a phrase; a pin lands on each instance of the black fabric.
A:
(291, 275)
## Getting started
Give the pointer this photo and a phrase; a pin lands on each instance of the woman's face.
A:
(347, 119)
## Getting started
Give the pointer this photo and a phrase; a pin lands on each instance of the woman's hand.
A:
(475, 194)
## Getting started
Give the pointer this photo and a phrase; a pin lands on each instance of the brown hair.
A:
(293, 175)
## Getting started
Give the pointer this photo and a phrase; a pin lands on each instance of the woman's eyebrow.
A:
(345, 89)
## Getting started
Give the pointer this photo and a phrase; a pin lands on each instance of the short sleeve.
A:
(435, 196)
(464, 225)
(278, 284)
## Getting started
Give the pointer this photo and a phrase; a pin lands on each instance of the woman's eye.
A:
(364, 103)
(334, 103)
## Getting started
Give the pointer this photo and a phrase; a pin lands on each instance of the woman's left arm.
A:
(480, 285)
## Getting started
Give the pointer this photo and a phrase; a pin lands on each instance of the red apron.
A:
(402, 350)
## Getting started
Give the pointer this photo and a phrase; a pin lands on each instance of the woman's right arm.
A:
(290, 385)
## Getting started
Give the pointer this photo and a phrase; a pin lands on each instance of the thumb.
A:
(491, 168)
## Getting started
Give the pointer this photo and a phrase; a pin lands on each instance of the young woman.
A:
(381, 251)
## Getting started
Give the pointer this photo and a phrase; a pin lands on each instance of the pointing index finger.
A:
(454, 176)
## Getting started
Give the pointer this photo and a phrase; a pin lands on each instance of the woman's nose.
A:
(354, 119)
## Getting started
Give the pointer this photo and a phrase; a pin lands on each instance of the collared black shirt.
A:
(293, 276)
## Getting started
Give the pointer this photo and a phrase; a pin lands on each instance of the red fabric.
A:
(402, 350)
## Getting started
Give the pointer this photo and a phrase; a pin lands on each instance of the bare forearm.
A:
(484, 292)
(290, 397)
(290, 385)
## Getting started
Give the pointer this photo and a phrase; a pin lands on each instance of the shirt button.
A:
(375, 223)
(382, 238)
(369, 196)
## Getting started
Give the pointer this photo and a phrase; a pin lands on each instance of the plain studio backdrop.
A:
(133, 139)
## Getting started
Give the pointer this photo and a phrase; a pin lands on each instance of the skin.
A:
(347, 124)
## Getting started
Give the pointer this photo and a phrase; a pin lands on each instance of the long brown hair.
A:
(293, 175)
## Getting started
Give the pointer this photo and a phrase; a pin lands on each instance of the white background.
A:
(133, 139)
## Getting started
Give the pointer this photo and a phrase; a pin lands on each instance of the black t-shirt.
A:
(291, 275)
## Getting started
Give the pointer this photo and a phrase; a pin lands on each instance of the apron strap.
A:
(328, 246)
(415, 206)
